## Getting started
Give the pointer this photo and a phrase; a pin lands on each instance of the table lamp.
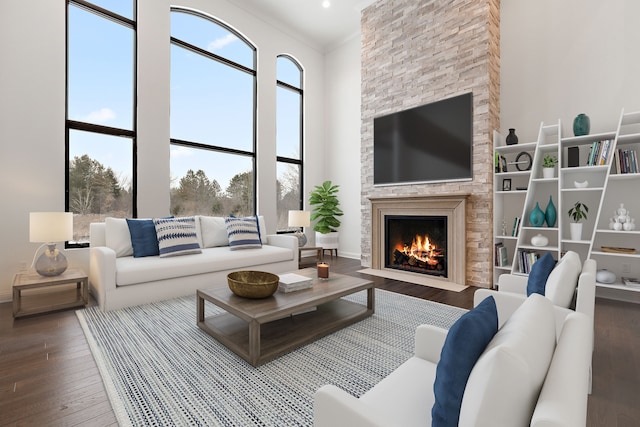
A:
(300, 219)
(50, 227)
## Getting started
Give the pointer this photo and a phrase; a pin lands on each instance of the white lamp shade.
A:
(50, 226)
(299, 218)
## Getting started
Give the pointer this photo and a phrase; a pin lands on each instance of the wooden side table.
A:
(31, 297)
(318, 258)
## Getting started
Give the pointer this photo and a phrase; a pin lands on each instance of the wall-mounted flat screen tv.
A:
(429, 143)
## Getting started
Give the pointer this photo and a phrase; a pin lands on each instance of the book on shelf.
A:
(290, 282)
(599, 152)
(526, 259)
(631, 282)
(626, 161)
(501, 257)
(516, 227)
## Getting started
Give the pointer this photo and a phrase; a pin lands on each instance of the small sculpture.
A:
(622, 219)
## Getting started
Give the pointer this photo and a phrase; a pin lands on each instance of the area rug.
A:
(160, 369)
(414, 278)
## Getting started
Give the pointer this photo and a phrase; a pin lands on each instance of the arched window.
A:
(213, 116)
(100, 119)
(289, 138)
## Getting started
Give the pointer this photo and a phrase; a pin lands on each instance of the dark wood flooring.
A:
(48, 375)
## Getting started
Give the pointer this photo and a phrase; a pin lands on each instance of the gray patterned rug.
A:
(160, 369)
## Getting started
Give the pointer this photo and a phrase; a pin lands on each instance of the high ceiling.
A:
(321, 28)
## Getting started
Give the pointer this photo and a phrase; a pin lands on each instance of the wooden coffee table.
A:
(259, 330)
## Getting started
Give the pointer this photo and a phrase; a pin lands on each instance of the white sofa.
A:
(499, 391)
(119, 280)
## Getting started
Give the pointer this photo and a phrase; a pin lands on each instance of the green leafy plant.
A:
(549, 161)
(578, 212)
(325, 201)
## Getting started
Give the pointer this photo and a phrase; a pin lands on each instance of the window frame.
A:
(101, 129)
(253, 72)
(289, 160)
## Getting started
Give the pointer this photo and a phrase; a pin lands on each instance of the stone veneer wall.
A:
(415, 52)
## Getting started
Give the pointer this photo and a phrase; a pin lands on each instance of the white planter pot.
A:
(576, 230)
(327, 241)
(548, 172)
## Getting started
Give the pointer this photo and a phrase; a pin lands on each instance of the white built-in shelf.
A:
(577, 242)
(618, 285)
(539, 248)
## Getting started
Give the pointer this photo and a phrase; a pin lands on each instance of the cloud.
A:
(218, 44)
(103, 115)
(179, 151)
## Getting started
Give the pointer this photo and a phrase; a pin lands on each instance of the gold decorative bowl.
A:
(253, 284)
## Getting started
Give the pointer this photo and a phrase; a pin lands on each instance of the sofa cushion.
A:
(563, 280)
(213, 231)
(118, 237)
(176, 236)
(465, 342)
(143, 237)
(243, 233)
(539, 273)
(131, 271)
(505, 382)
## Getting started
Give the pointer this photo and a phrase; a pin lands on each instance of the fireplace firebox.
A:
(416, 244)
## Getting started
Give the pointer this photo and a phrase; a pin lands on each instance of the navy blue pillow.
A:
(465, 342)
(143, 237)
(539, 273)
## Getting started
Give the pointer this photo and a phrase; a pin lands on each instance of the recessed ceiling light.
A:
(326, 4)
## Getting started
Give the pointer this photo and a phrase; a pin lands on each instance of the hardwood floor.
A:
(48, 375)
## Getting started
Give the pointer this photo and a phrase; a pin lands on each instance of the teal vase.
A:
(536, 217)
(550, 213)
(581, 125)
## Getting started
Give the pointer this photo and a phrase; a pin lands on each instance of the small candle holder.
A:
(323, 271)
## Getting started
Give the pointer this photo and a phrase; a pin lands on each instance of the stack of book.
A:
(294, 282)
(526, 259)
(501, 255)
(599, 153)
(626, 161)
(631, 282)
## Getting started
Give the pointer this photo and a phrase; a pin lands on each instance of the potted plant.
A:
(549, 163)
(577, 213)
(326, 210)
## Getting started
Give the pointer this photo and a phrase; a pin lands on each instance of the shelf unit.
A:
(606, 189)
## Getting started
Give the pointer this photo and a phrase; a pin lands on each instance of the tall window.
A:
(100, 119)
(213, 111)
(288, 138)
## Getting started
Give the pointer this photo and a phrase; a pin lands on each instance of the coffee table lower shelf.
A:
(280, 336)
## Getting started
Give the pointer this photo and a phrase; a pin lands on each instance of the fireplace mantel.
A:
(453, 206)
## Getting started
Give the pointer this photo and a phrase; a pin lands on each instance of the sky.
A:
(210, 103)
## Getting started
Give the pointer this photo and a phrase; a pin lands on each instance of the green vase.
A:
(581, 125)
(536, 217)
(550, 213)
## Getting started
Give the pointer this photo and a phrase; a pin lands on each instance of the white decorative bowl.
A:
(582, 184)
(539, 240)
(605, 276)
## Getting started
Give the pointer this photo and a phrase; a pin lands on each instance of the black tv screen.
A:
(432, 142)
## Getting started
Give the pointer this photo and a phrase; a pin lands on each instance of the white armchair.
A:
(405, 397)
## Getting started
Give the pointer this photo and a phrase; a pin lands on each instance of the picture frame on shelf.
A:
(506, 184)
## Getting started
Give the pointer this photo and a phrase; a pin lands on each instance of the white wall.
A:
(32, 84)
(342, 75)
(561, 58)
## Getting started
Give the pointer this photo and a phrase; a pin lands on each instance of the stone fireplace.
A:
(415, 53)
(422, 236)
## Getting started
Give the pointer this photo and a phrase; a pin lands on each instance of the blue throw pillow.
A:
(539, 273)
(143, 237)
(465, 342)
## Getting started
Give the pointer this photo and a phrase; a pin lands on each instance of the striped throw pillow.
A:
(177, 236)
(244, 233)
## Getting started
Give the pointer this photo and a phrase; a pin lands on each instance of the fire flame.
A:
(421, 248)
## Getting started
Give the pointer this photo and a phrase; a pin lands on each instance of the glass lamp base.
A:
(52, 262)
(302, 239)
